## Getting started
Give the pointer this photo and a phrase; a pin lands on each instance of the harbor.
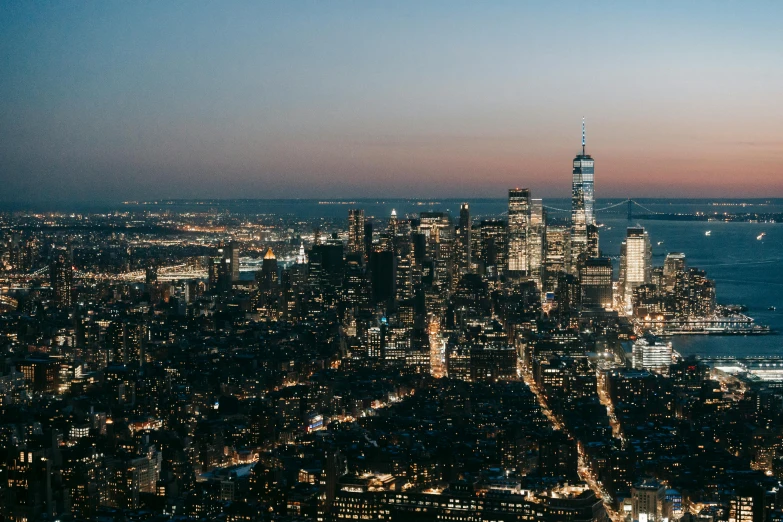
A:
(734, 323)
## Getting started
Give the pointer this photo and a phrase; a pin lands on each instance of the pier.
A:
(732, 324)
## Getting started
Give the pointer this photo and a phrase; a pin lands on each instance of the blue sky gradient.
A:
(129, 100)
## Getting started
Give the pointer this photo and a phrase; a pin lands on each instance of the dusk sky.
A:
(130, 100)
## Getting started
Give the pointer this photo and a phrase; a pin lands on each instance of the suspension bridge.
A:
(164, 273)
(629, 203)
(176, 272)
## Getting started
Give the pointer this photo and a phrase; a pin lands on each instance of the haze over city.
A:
(116, 101)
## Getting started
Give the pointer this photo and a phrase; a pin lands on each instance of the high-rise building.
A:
(382, 275)
(568, 296)
(326, 264)
(29, 493)
(438, 230)
(356, 289)
(557, 256)
(673, 267)
(595, 276)
(635, 262)
(61, 277)
(393, 231)
(231, 258)
(129, 476)
(493, 246)
(269, 270)
(747, 504)
(536, 242)
(582, 201)
(213, 271)
(356, 232)
(694, 294)
(518, 222)
(593, 248)
(405, 273)
(224, 267)
(650, 353)
(368, 247)
(649, 502)
(42, 373)
(269, 303)
(537, 215)
(125, 342)
(464, 239)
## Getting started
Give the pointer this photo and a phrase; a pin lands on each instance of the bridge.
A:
(628, 202)
(182, 271)
(630, 206)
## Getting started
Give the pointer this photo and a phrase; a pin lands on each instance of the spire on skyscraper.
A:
(583, 136)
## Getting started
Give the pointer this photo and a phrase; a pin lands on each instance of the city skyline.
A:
(115, 102)
(411, 261)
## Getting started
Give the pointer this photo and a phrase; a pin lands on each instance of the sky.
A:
(113, 100)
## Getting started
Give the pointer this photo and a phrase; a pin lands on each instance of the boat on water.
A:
(660, 243)
(761, 236)
(772, 308)
(707, 233)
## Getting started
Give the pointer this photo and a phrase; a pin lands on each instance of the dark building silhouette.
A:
(61, 278)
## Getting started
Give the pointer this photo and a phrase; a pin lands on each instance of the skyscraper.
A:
(393, 231)
(382, 275)
(356, 231)
(61, 276)
(269, 276)
(368, 247)
(404, 276)
(557, 258)
(595, 277)
(438, 229)
(582, 202)
(493, 247)
(635, 259)
(673, 267)
(536, 242)
(224, 267)
(231, 258)
(518, 222)
(593, 249)
(269, 304)
(464, 239)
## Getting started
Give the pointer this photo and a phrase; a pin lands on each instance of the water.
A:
(746, 270)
